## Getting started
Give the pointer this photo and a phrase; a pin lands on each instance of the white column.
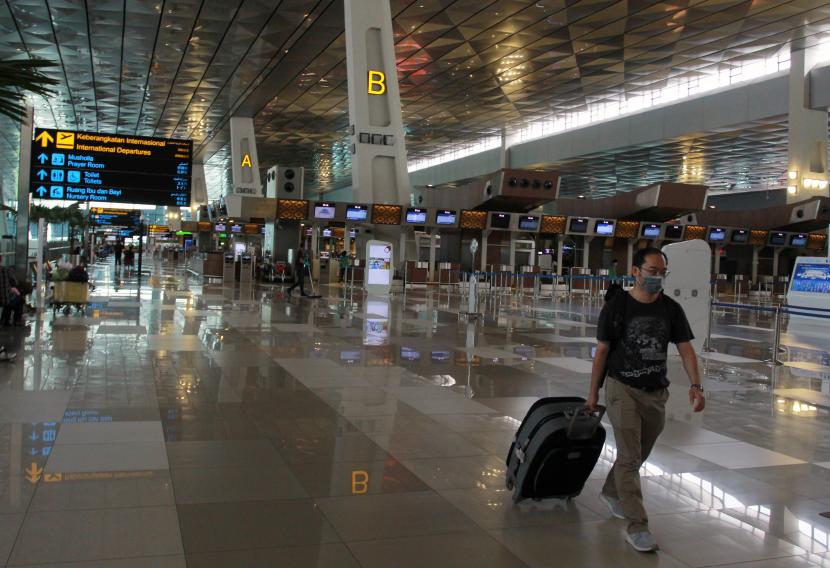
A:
(586, 251)
(21, 249)
(560, 245)
(379, 173)
(775, 254)
(512, 257)
(244, 160)
(807, 150)
(755, 252)
(629, 255)
(433, 243)
(484, 235)
(198, 191)
(716, 263)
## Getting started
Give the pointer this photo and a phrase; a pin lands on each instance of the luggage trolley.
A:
(66, 295)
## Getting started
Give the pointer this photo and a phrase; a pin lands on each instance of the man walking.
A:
(299, 273)
(633, 334)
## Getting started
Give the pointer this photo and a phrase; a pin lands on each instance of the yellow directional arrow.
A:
(52, 477)
(33, 473)
(44, 138)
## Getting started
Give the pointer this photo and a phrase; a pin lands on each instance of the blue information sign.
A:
(88, 166)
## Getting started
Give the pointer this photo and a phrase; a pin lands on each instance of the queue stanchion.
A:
(776, 339)
(707, 347)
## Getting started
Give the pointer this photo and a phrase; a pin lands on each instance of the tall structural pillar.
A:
(245, 163)
(807, 164)
(379, 173)
(21, 245)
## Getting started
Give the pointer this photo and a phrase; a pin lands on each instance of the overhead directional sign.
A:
(87, 166)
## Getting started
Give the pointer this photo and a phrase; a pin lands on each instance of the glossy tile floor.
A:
(199, 425)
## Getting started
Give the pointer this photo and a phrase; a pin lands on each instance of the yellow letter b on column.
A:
(360, 482)
(377, 83)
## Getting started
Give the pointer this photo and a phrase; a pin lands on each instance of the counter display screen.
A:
(814, 278)
(578, 226)
(717, 235)
(740, 236)
(604, 228)
(324, 211)
(416, 216)
(440, 355)
(778, 239)
(88, 166)
(445, 217)
(410, 354)
(528, 223)
(236, 228)
(674, 232)
(357, 213)
(219, 227)
(326, 232)
(500, 220)
(799, 240)
(650, 231)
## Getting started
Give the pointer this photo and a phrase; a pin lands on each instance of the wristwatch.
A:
(698, 388)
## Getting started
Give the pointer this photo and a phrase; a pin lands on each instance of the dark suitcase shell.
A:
(555, 449)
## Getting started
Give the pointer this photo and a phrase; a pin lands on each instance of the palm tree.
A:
(18, 77)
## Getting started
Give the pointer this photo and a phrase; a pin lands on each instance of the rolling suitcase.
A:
(555, 449)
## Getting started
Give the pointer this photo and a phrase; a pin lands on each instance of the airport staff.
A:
(633, 334)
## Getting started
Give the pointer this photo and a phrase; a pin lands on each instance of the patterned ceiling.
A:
(468, 68)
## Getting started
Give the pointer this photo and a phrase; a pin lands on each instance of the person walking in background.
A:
(344, 265)
(118, 249)
(10, 296)
(299, 273)
(129, 258)
(633, 334)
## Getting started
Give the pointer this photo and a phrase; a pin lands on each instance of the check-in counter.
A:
(780, 286)
(721, 285)
(740, 286)
(417, 272)
(527, 278)
(229, 268)
(246, 268)
(580, 281)
(356, 272)
(206, 264)
(448, 272)
(502, 275)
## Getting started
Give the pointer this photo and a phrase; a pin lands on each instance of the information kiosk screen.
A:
(528, 223)
(811, 278)
(415, 216)
(357, 213)
(324, 211)
(445, 217)
(499, 220)
(799, 240)
(674, 232)
(604, 228)
(650, 231)
(717, 235)
(777, 239)
(740, 236)
(578, 225)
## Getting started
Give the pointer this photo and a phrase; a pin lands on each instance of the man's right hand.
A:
(592, 402)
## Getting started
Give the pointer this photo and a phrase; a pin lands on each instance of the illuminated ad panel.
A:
(87, 166)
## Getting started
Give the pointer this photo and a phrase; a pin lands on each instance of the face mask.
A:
(653, 284)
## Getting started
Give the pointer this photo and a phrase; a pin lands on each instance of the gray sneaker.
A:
(613, 505)
(642, 541)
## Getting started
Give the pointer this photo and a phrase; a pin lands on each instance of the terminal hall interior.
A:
(414, 283)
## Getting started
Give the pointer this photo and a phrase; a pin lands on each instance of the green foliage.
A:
(21, 76)
(73, 215)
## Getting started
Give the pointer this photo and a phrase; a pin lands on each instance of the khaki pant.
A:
(638, 418)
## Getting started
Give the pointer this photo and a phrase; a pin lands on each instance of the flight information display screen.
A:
(578, 226)
(500, 220)
(416, 216)
(114, 217)
(799, 240)
(357, 213)
(717, 235)
(89, 166)
(650, 231)
(811, 278)
(778, 239)
(528, 223)
(674, 232)
(324, 211)
(445, 217)
(604, 228)
(740, 236)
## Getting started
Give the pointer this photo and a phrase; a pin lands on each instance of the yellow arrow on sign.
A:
(44, 138)
(33, 473)
(52, 477)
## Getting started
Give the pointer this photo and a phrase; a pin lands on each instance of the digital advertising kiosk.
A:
(810, 288)
(379, 269)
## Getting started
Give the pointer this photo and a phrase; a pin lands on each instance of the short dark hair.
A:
(641, 255)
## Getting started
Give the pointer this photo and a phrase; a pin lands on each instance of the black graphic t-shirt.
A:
(639, 345)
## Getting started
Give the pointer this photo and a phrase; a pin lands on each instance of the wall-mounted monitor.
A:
(445, 217)
(219, 227)
(528, 223)
(673, 232)
(352, 233)
(798, 240)
(357, 213)
(324, 210)
(716, 235)
(410, 354)
(777, 239)
(326, 232)
(740, 236)
(604, 228)
(416, 216)
(499, 220)
(578, 225)
(650, 231)
(236, 228)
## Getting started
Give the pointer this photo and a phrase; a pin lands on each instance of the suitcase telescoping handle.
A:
(584, 423)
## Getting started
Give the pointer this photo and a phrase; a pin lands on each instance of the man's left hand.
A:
(697, 400)
(15, 291)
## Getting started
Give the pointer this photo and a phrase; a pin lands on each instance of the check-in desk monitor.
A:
(673, 232)
(716, 235)
(326, 232)
(777, 239)
(445, 217)
(528, 223)
(798, 240)
(500, 221)
(604, 228)
(324, 210)
(410, 354)
(357, 213)
(220, 228)
(237, 229)
(740, 236)
(416, 216)
(651, 230)
(578, 225)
